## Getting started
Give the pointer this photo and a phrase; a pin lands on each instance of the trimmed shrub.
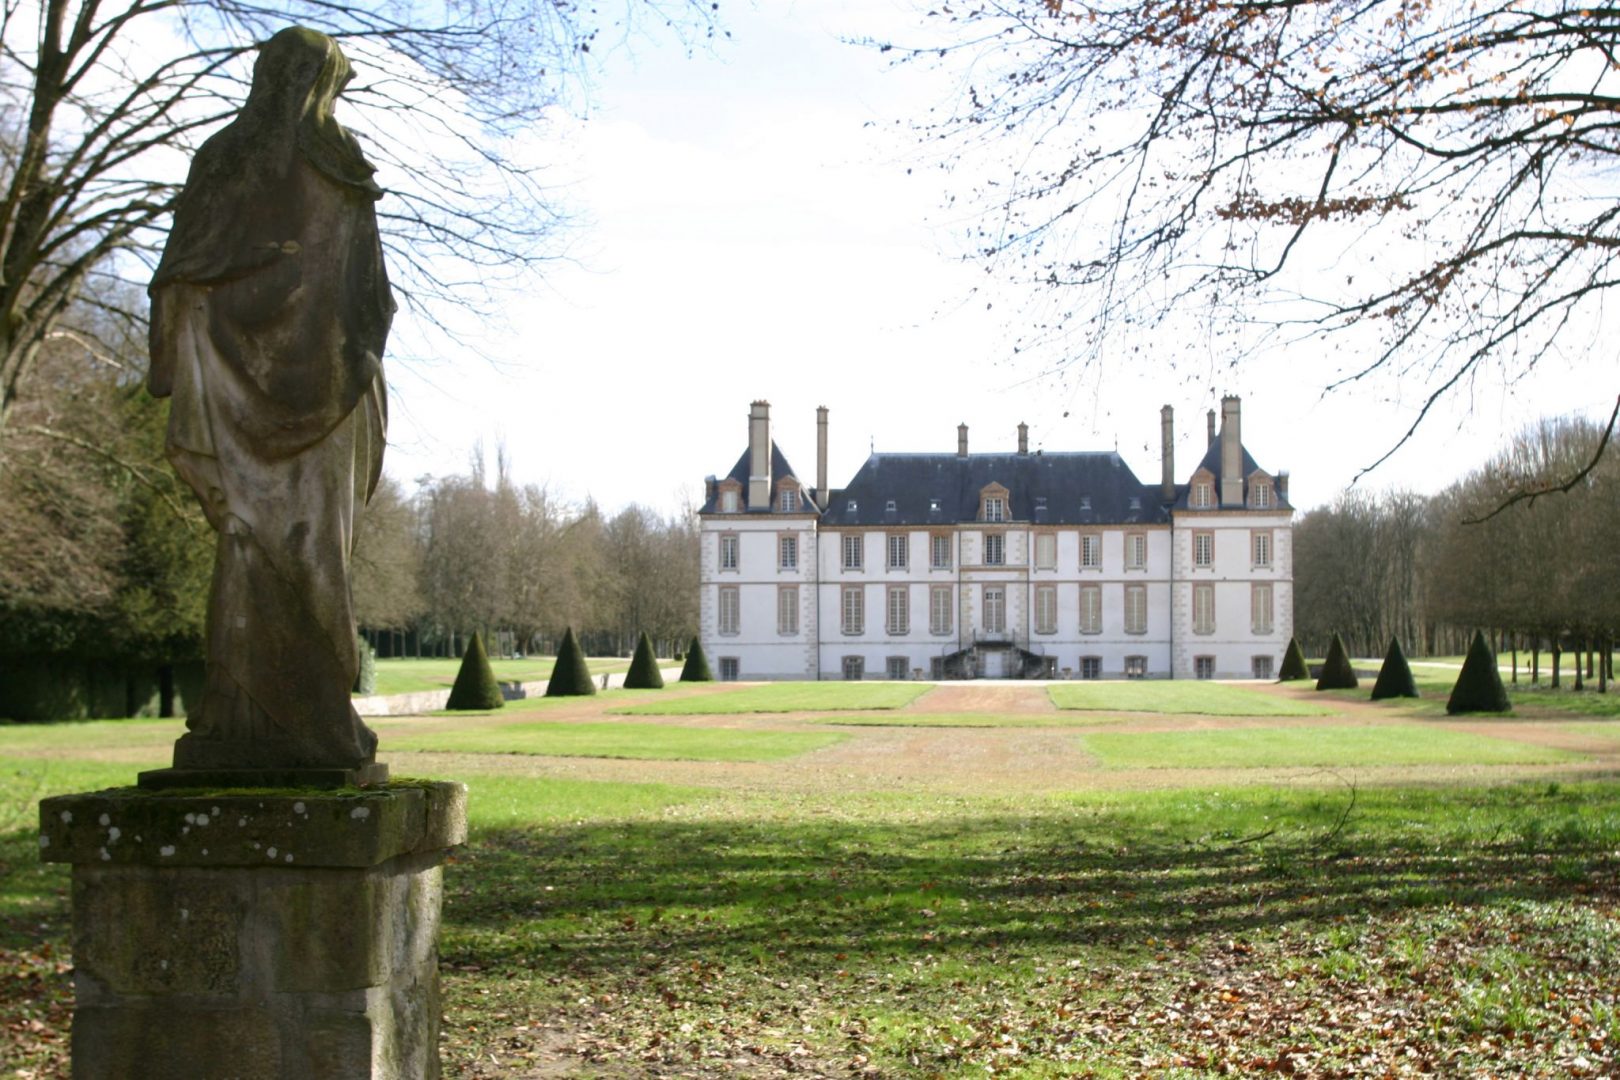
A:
(1479, 685)
(475, 686)
(365, 676)
(1395, 677)
(570, 676)
(644, 673)
(1293, 665)
(1337, 674)
(696, 668)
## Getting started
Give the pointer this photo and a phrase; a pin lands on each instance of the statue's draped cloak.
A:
(270, 311)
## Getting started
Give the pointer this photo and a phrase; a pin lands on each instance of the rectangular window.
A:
(854, 609)
(853, 542)
(787, 549)
(1260, 496)
(1136, 551)
(899, 609)
(1136, 609)
(1136, 667)
(995, 508)
(939, 551)
(897, 551)
(1091, 609)
(1260, 608)
(728, 551)
(995, 549)
(1045, 551)
(1204, 549)
(939, 609)
(1091, 667)
(896, 668)
(728, 502)
(1091, 551)
(995, 609)
(730, 670)
(1046, 609)
(1261, 543)
(1203, 667)
(1262, 667)
(730, 610)
(790, 500)
(1203, 495)
(1203, 609)
(787, 610)
(854, 668)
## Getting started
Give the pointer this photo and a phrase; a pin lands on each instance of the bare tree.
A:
(1437, 175)
(100, 102)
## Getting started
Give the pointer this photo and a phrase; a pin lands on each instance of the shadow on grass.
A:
(804, 894)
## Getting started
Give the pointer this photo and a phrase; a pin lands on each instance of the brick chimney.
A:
(961, 440)
(821, 455)
(1231, 452)
(759, 456)
(1167, 454)
(1023, 438)
(1211, 419)
(1282, 485)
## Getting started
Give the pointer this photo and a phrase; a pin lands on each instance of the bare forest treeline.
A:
(512, 562)
(1538, 575)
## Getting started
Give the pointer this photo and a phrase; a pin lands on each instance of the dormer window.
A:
(1136, 502)
(789, 500)
(995, 508)
(1203, 495)
(851, 508)
(728, 501)
(933, 506)
(889, 506)
(1085, 502)
(1260, 495)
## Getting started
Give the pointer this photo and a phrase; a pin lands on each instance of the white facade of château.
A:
(1002, 565)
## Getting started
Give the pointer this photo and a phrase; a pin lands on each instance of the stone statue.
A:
(270, 309)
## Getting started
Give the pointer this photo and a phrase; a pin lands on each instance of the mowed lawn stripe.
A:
(654, 742)
(1179, 696)
(787, 697)
(903, 718)
(1367, 746)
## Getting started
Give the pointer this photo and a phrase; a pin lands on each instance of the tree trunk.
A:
(1535, 661)
(1580, 648)
(1515, 659)
(1557, 656)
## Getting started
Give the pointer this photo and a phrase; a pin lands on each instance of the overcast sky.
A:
(757, 222)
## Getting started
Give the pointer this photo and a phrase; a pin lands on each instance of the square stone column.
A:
(277, 935)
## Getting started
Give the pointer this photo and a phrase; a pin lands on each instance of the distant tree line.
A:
(478, 553)
(1537, 573)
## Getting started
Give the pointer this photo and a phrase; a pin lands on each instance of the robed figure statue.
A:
(270, 309)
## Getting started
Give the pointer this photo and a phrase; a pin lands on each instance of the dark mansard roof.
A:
(780, 470)
(1043, 488)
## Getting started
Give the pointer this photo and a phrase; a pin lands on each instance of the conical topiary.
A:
(1293, 665)
(1337, 674)
(696, 668)
(475, 686)
(644, 673)
(1395, 677)
(1479, 685)
(570, 676)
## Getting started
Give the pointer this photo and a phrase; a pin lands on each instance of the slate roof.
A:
(1045, 488)
(1211, 463)
(779, 469)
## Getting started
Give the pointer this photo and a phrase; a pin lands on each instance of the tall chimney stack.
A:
(1211, 419)
(1167, 454)
(759, 456)
(1231, 452)
(1023, 438)
(821, 455)
(961, 440)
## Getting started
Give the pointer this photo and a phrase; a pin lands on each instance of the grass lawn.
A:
(1435, 684)
(654, 742)
(788, 697)
(1176, 696)
(1345, 746)
(617, 927)
(407, 676)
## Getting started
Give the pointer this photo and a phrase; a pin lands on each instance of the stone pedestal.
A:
(277, 935)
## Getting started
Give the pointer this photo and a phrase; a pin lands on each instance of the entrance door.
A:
(995, 664)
